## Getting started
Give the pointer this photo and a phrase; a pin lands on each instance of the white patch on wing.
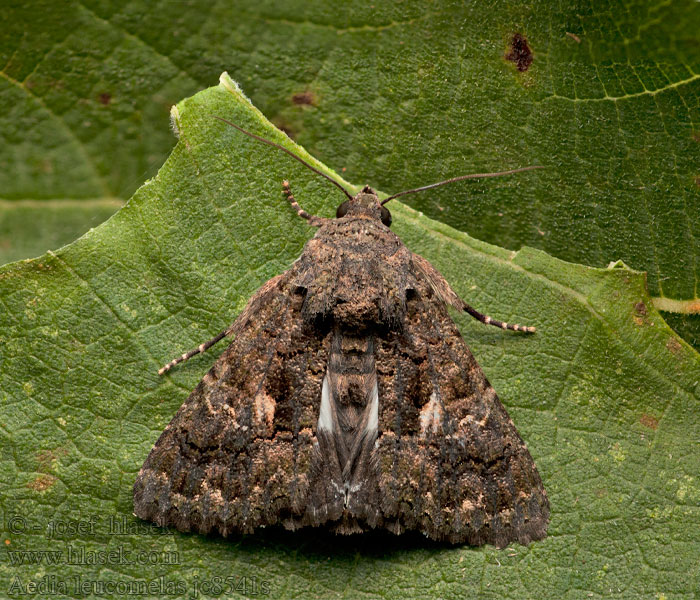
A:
(373, 417)
(265, 408)
(431, 415)
(325, 418)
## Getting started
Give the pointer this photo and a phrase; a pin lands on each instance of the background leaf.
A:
(394, 94)
(605, 394)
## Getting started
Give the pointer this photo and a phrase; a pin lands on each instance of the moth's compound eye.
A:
(342, 210)
(386, 217)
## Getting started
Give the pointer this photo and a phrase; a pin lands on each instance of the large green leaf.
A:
(400, 95)
(605, 394)
(30, 227)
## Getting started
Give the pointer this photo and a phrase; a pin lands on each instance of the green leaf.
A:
(605, 394)
(395, 94)
(30, 227)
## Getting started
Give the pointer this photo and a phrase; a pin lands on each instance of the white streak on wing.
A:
(373, 417)
(431, 415)
(325, 418)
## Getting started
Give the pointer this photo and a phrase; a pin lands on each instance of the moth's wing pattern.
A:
(451, 461)
(237, 454)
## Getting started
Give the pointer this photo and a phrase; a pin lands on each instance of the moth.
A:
(347, 399)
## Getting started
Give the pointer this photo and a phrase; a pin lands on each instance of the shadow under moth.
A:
(347, 399)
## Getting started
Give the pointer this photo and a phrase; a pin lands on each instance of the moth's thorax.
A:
(354, 274)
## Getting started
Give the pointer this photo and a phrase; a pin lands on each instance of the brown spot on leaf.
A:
(46, 458)
(640, 318)
(42, 483)
(574, 37)
(519, 52)
(601, 492)
(649, 421)
(304, 98)
(105, 98)
(673, 345)
(697, 181)
(46, 166)
(696, 136)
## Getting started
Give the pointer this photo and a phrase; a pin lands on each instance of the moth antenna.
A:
(313, 220)
(198, 350)
(495, 322)
(460, 178)
(302, 161)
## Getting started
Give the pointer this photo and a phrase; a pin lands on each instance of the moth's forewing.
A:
(347, 399)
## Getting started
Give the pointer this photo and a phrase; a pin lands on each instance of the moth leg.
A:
(449, 296)
(496, 323)
(313, 220)
(199, 349)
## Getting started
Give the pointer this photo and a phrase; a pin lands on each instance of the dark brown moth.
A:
(347, 399)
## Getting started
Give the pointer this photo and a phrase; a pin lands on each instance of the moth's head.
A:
(365, 204)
